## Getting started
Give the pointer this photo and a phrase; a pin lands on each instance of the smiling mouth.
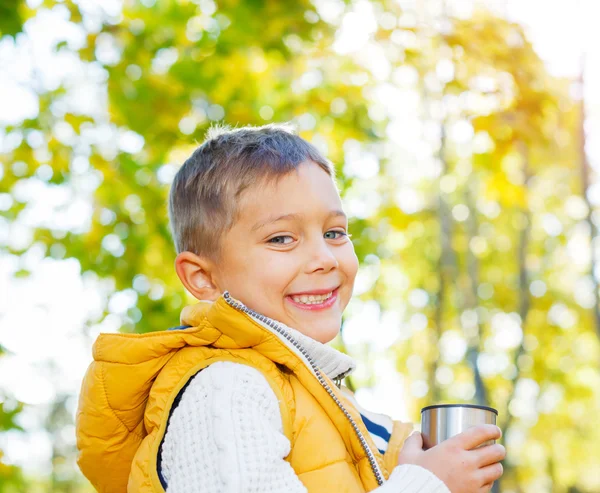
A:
(314, 301)
(312, 298)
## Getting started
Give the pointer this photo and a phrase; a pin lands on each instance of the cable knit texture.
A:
(410, 478)
(226, 436)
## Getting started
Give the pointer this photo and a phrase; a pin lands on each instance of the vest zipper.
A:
(281, 331)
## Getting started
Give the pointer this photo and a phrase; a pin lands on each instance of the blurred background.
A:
(466, 136)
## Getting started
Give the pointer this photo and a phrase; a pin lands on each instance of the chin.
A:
(324, 335)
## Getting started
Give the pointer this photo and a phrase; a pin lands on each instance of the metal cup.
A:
(442, 421)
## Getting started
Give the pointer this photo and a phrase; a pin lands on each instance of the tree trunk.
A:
(474, 342)
(524, 301)
(444, 267)
(585, 183)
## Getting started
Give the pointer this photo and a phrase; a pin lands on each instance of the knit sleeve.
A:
(410, 478)
(226, 436)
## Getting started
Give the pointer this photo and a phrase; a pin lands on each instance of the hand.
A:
(457, 462)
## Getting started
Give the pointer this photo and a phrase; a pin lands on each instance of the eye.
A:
(280, 240)
(340, 233)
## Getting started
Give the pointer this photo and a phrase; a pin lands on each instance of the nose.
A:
(321, 258)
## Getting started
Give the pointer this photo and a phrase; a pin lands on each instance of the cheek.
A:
(274, 270)
(349, 264)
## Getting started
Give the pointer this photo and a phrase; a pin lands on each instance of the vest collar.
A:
(220, 315)
(331, 361)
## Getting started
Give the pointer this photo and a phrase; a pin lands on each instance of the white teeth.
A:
(313, 299)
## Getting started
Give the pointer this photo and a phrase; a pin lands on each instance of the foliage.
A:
(453, 150)
(11, 21)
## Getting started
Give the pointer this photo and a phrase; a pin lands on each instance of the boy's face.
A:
(289, 243)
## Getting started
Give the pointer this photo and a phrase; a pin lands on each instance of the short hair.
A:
(204, 196)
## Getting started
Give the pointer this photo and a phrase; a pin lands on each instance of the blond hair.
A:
(204, 196)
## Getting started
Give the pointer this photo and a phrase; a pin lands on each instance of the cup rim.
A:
(474, 406)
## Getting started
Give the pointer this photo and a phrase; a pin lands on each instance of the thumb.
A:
(414, 442)
(412, 447)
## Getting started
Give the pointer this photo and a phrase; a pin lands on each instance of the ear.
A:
(196, 274)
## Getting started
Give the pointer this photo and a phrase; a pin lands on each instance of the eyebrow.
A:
(290, 217)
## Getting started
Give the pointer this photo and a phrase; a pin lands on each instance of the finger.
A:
(412, 446)
(487, 487)
(490, 454)
(414, 442)
(476, 435)
(489, 474)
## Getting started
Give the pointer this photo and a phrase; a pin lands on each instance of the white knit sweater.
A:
(226, 435)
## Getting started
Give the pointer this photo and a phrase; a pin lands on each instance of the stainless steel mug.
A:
(442, 421)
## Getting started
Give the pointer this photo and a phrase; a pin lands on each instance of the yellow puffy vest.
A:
(130, 387)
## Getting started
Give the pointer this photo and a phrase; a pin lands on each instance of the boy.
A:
(241, 397)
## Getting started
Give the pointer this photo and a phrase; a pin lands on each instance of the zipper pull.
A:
(338, 382)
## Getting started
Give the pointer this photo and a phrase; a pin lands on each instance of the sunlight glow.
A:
(42, 315)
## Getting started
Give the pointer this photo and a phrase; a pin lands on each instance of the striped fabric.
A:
(379, 426)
